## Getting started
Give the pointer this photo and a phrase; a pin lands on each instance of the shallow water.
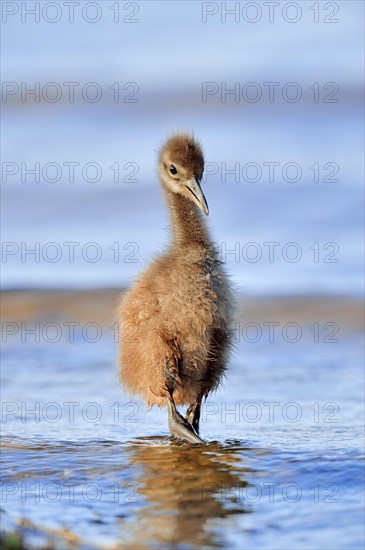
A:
(85, 464)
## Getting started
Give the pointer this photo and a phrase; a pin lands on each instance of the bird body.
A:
(175, 320)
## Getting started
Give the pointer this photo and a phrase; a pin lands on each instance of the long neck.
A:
(188, 226)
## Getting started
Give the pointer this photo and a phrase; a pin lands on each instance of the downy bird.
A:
(181, 305)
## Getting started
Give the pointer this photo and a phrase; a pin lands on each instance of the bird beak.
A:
(197, 194)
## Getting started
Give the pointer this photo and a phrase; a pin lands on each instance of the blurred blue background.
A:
(82, 209)
(160, 54)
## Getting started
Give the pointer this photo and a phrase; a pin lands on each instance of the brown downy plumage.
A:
(180, 308)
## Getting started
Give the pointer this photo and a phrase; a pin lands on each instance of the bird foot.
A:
(180, 427)
(192, 415)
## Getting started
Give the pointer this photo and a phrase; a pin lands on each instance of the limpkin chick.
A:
(180, 306)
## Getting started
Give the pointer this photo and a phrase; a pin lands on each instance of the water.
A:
(321, 212)
(262, 229)
(91, 467)
(283, 466)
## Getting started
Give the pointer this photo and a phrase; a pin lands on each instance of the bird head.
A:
(181, 166)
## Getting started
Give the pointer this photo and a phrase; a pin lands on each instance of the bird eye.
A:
(172, 169)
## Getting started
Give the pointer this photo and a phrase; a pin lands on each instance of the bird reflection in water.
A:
(182, 491)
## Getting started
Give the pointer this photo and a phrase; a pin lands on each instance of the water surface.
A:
(283, 465)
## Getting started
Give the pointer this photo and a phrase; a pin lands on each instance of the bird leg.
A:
(179, 426)
(192, 415)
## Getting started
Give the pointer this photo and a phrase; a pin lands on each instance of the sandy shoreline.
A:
(100, 306)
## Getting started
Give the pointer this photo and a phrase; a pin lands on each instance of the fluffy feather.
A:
(175, 320)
